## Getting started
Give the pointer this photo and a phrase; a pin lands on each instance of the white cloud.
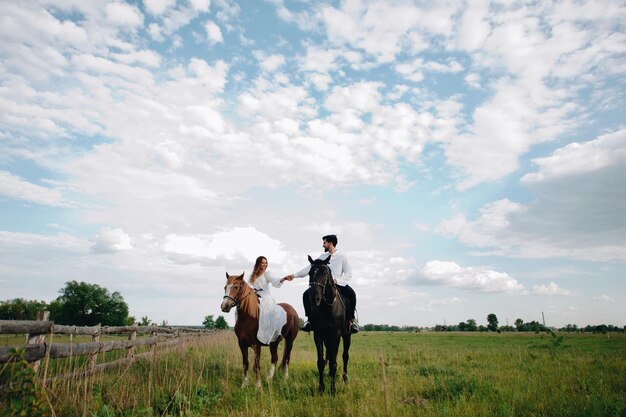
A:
(271, 63)
(318, 59)
(362, 97)
(381, 28)
(550, 289)
(201, 5)
(583, 224)
(145, 57)
(411, 70)
(493, 222)
(122, 15)
(441, 302)
(581, 158)
(451, 66)
(473, 79)
(111, 240)
(479, 279)
(214, 33)
(604, 297)
(155, 32)
(157, 7)
(15, 187)
(63, 241)
(241, 243)
(474, 26)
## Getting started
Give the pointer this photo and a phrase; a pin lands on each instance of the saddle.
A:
(344, 300)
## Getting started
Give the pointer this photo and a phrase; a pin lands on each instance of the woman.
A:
(272, 317)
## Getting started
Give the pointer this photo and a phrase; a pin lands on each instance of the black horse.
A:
(328, 321)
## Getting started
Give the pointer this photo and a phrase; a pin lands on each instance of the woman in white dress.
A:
(272, 317)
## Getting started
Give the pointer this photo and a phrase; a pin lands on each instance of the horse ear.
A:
(327, 260)
(242, 274)
(310, 259)
(227, 275)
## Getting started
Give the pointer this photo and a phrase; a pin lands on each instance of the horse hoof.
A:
(345, 378)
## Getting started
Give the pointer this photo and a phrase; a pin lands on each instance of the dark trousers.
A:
(346, 291)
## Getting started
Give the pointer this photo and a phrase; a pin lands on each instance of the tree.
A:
(83, 304)
(519, 325)
(21, 309)
(145, 321)
(208, 322)
(492, 321)
(220, 323)
(471, 325)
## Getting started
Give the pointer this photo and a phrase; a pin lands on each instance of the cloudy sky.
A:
(470, 156)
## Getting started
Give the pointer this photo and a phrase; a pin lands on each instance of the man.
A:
(342, 273)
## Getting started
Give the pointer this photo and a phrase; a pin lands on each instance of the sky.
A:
(469, 155)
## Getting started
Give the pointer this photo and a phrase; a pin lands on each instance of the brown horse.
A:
(237, 293)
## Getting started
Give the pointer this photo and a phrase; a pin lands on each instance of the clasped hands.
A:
(290, 277)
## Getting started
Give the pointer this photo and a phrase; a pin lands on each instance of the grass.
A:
(426, 374)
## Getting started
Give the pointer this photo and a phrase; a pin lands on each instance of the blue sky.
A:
(470, 156)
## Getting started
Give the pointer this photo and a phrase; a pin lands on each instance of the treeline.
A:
(389, 328)
(492, 326)
(83, 304)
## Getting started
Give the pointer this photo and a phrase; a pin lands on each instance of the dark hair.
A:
(255, 270)
(331, 239)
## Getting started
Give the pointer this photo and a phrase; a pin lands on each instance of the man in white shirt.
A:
(342, 273)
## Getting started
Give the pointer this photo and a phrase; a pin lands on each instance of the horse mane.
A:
(249, 303)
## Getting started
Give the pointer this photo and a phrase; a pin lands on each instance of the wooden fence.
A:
(36, 348)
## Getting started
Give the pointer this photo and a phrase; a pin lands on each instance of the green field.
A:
(425, 374)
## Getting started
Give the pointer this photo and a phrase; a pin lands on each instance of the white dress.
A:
(272, 317)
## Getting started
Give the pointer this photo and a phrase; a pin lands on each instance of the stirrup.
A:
(354, 327)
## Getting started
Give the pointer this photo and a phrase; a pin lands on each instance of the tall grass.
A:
(396, 374)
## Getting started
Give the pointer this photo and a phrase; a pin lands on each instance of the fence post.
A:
(130, 351)
(154, 333)
(93, 359)
(38, 338)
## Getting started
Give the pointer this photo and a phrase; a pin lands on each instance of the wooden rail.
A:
(37, 349)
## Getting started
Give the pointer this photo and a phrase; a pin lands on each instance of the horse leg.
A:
(274, 360)
(331, 352)
(347, 340)
(284, 364)
(257, 365)
(321, 363)
(244, 357)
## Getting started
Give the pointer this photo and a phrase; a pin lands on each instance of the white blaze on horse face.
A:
(227, 303)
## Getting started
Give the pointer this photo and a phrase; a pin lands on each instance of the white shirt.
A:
(339, 267)
(263, 282)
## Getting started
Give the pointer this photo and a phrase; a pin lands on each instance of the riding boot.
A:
(306, 326)
(354, 327)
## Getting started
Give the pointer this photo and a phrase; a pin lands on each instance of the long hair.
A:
(257, 268)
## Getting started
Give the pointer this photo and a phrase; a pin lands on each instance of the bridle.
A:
(327, 276)
(237, 300)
